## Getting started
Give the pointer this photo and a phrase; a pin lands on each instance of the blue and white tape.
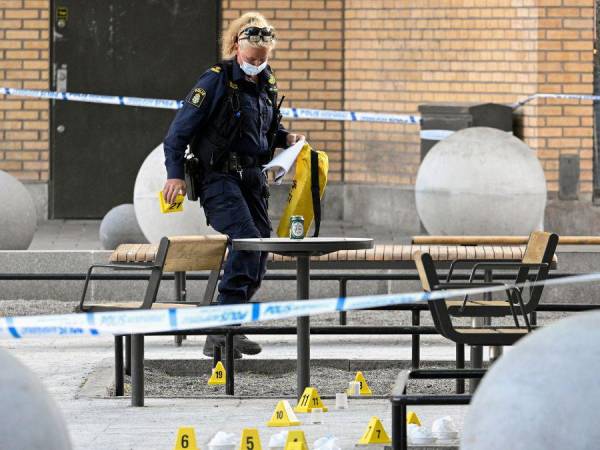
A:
(93, 98)
(165, 320)
(288, 113)
(593, 98)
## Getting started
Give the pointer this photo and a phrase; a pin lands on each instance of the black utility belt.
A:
(236, 162)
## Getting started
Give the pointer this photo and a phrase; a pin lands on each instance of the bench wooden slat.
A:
(138, 305)
(145, 253)
(388, 251)
(190, 253)
(491, 330)
(434, 251)
(479, 252)
(498, 240)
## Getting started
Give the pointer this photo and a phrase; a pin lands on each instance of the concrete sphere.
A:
(481, 181)
(120, 226)
(543, 393)
(154, 224)
(18, 219)
(31, 419)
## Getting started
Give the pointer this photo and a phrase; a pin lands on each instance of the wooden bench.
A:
(179, 254)
(386, 256)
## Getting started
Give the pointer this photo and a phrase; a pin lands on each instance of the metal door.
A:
(141, 48)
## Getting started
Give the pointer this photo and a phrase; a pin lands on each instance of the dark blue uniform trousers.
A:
(236, 206)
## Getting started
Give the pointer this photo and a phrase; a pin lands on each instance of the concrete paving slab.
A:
(64, 364)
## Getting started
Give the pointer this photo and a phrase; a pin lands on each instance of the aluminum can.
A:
(297, 227)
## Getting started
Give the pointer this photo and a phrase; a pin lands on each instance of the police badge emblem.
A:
(196, 97)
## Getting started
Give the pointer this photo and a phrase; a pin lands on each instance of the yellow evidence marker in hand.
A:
(186, 439)
(166, 208)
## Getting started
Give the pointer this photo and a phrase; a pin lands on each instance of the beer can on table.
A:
(297, 227)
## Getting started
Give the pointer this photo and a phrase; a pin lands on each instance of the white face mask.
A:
(252, 70)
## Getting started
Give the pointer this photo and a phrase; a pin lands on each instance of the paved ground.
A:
(64, 365)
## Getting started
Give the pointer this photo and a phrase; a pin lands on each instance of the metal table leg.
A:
(343, 293)
(229, 364)
(460, 364)
(127, 354)
(137, 370)
(477, 350)
(416, 341)
(179, 297)
(303, 325)
(119, 378)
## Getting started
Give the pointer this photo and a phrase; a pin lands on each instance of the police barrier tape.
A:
(288, 113)
(593, 98)
(164, 320)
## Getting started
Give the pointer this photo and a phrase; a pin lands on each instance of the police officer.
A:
(229, 121)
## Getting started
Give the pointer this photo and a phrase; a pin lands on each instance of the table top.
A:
(306, 246)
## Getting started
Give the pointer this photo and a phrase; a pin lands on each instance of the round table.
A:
(302, 250)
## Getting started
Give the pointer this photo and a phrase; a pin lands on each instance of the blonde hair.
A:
(230, 37)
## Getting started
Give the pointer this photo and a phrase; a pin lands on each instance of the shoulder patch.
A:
(216, 69)
(196, 97)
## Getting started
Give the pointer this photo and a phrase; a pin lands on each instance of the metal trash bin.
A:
(440, 120)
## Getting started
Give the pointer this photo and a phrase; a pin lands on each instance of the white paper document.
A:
(282, 163)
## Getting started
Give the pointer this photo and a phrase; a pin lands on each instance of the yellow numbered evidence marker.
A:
(296, 441)
(219, 376)
(374, 434)
(364, 387)
(283, 416)
(412, 417)
(310, 399)
(186, 439)
(250, 440)
(166, 208)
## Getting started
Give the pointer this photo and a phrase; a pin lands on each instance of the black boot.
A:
(245, 345)
(219, 340)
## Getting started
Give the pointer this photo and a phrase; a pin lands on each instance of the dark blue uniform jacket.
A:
(201, 102)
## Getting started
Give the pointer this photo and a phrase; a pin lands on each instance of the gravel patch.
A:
(35, 307)
(327, 380)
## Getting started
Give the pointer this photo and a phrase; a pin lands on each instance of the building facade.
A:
(369, 55)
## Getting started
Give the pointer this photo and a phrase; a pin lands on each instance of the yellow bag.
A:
(300, 198)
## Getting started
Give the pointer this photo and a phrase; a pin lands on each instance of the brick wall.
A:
(24, 63)
(369, 55)
(418, 51)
